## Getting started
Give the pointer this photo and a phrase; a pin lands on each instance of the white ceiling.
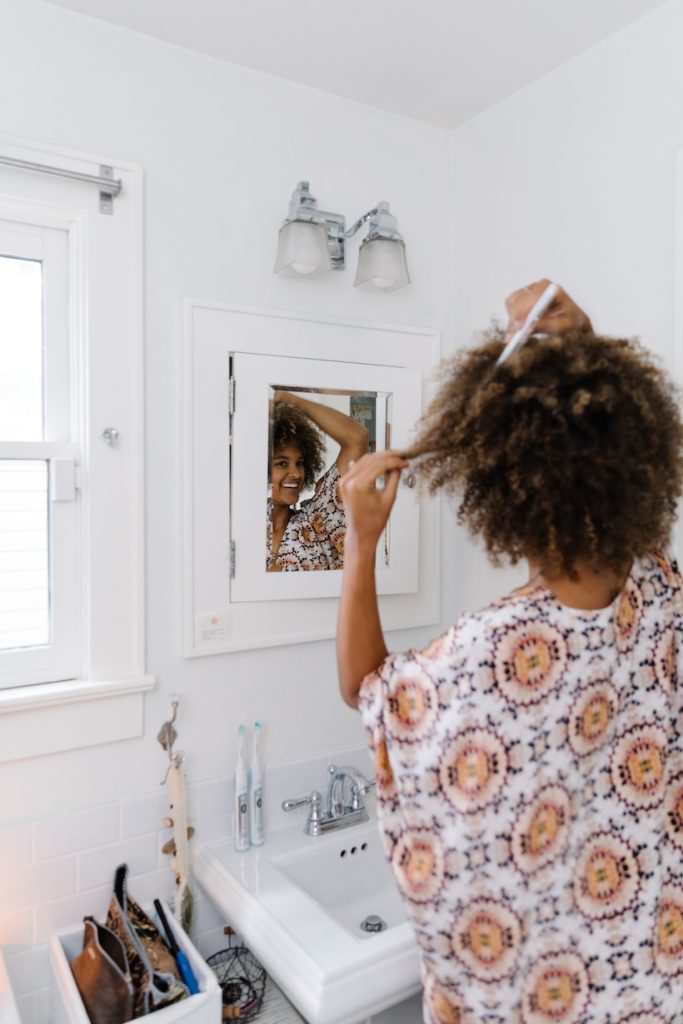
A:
(440, 61)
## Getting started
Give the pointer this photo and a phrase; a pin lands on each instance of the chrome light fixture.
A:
(313, 241)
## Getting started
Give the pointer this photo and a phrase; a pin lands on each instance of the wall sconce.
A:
(313, 241)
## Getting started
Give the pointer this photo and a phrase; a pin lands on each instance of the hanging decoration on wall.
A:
(177, 847)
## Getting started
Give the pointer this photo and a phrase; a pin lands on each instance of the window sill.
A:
(53, 717)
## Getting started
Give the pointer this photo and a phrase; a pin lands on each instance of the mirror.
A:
(313, 435)
(234, 359)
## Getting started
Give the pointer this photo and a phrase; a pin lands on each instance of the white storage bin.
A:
(8, 1008)
(67, 1007)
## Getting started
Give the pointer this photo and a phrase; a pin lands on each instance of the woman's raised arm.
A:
(350, 435)
(360, 640)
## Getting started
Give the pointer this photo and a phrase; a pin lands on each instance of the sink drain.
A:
(373, 923)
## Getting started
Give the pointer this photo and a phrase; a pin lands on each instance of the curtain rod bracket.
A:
(106, 198)
(109, 185)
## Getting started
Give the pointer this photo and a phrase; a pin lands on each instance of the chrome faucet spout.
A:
(358, 786)
(346, 787)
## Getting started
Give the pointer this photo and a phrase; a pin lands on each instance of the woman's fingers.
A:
(368, 469)
(368, 506)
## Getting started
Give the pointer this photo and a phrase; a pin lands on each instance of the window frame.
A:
(106, 276)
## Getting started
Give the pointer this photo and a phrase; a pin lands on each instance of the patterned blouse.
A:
(530, 784)
(314, 537)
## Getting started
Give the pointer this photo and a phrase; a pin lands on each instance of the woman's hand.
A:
(283, 396)
(366, 506)
(562, 315)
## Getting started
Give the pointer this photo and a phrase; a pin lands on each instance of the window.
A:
(38, 550)
(71, 514)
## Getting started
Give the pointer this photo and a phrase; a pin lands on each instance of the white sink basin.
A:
(298, 903)
(349, 878)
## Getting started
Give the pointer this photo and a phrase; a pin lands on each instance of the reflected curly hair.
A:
(290, 425)
(571, 451)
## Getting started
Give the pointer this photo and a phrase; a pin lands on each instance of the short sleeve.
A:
(400, 701)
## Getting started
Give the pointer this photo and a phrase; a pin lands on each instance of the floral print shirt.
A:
(314, 537)
(530, 785)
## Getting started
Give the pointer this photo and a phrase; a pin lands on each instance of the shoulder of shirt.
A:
(323, 483)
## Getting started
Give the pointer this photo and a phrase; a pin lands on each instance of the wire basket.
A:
(242, 980)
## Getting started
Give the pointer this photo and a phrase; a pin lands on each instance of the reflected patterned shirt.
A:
(314, 537)
(530, 784)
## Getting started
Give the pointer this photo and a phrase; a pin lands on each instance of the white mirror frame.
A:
(213, 623)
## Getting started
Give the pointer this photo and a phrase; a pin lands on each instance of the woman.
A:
(310, 536)
(530, 760)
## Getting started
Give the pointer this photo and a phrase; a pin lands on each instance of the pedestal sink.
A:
(300, 902)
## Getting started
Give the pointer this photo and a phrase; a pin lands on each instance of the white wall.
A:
(221, 148)
(572, 178)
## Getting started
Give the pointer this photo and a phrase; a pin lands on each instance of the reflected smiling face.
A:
(287, 475)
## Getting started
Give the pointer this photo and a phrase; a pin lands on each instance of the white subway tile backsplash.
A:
(29, 969)
(358, 756)
(210, 829)
(16, 930)
(285, 781)
(15, 889)
(36, 883)
(97, 867)
(144, 814)
(78, 830)
(214, 797)
(67, 914)
(207, 917)
(294, 779)
(158, 884)
(15, 845)
(53, 879)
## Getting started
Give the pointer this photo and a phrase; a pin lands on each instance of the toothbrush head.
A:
(257, 725)
(242, 730)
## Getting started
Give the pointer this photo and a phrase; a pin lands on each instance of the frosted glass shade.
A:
(302, 249)
(382, 264)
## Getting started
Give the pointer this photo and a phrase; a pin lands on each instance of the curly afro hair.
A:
(290, 425)
(570, 452)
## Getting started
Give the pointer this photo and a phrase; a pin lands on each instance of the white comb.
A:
(527, 329)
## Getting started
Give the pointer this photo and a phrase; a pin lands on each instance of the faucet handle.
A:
(314, 800)
(359, 790)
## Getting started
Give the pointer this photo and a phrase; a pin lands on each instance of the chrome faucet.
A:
(339, 813)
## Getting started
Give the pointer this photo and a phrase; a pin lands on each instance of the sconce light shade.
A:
(382, 264)
(302, 249)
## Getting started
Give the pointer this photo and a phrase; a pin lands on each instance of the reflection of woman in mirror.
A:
(530, 760)
(308, 534)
